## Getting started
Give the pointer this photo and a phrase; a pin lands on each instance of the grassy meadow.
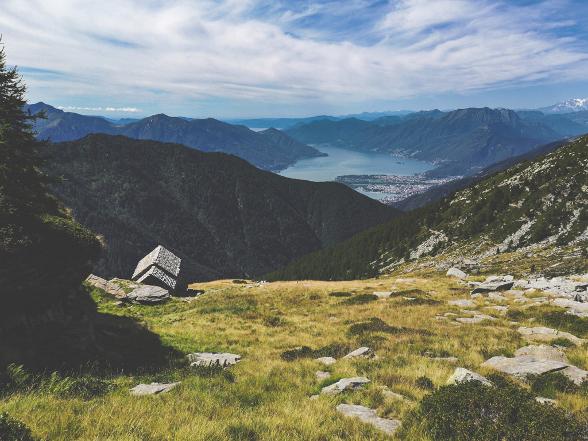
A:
(266, 397)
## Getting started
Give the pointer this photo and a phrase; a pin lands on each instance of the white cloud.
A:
(99, 109)
(138, 51)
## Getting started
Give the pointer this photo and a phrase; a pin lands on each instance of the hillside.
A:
(224, 217)
(462, 141)
(208, 135)
(540, 203)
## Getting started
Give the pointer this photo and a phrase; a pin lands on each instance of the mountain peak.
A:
(568, 106)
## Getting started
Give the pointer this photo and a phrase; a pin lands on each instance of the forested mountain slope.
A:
(222, 216)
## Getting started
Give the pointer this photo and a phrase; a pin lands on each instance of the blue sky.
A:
(248, 58)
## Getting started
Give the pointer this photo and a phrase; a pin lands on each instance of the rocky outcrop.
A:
(345, 384)
(363, 352)
(456, 272)
(213, 359)
(541, 333)
(462, 375)
(148, 295)
(105, 285)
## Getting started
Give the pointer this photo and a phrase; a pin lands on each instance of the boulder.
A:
(456, 272)
(369, 416)
(364, 352)
(577, 375)
(345, 384)
(148, 295)
(541, 333)
(160, 267)
(327, 361)
(213, 359)
(462, 375)
(153, 388)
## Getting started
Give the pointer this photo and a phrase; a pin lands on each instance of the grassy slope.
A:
(264, 397)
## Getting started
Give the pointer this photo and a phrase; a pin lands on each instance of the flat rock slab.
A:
(369, 416)
(542, 352)
(462, 303)
(105, 285)
(364, 352)
(222, 359)
(577, 375)
(327, 361)
(524, 365)
(345, 384)
(462, 375)
(478, 318)
(487, 287)
(153, 388)
(572, 305)
(541, 333)
(148, 295)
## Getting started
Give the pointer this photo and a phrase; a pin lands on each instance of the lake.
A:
(349, 162)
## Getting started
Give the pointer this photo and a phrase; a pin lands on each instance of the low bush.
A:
(360, 299)
(474, 412)
(425, 383)
(13, 430)
(340, 294)
(549, 385)
(376, 324)
(335, 350)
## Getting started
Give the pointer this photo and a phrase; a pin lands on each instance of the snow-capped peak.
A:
(571, 105)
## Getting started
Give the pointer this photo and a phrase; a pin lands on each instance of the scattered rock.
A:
(573, 306)
(383, 294)
(540, 333)
(148, 295)
(322, 375)
(498, 308)
(462, 303)
(462, 375)
(345, 384)
(577, 375)
(364, 352)
(390, 394)
(369, 416)
(456, 272)
(496, 297)
(314, 397)
(446, 359)
(327, 361)
(105, 285)
(213, 359)
(544, 400)
(153, 388)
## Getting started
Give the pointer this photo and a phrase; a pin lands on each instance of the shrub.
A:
(340, 294)
(474, 412)
(86, 387)
(549, 384)
(360, 299)
(425, 383)
(332, 350)
(376, 324)
(13, 430)
(274, 321)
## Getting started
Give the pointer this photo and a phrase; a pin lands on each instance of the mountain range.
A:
(533, 205)
(222, 216)
(568, 106)
(262, 149)
(461, 142)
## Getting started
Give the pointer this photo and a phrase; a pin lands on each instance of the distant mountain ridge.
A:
(222, 216)
(462, 141)
(540, 203)
(209, 135)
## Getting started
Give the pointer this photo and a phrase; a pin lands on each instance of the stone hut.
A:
(160, 267)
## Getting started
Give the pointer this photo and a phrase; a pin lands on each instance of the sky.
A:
(254, 58)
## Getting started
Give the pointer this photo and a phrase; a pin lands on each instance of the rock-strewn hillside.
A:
(537, 204)
(222, 216)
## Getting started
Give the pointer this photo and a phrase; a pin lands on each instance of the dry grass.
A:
(267, 398)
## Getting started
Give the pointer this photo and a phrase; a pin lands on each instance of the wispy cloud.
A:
(99, 109)
(278, 53)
